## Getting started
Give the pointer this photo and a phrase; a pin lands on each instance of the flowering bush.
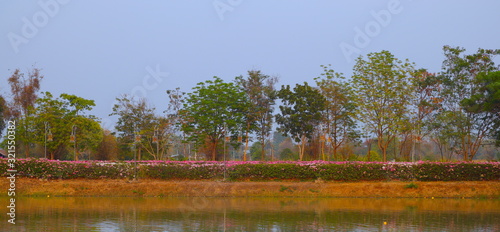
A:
(253, 170)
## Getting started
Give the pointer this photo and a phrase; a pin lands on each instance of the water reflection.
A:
(255, 214)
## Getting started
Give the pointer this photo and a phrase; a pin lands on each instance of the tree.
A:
(486, 100)
(338, 116)
(261, 94)
(213, 111)
(427, 101)
(174, 117)
(24, 89)
(460, 82)
(445, 132)
(137, 119)
(3, 114)
(301, 113)
(108, 148)
(383, 89)
(64, 117)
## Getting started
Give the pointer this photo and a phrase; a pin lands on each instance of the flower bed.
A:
(257, 171)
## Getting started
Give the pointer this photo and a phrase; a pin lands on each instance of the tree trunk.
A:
(383, 148)
(302, 147)
(27, 150)
(335, 148)
(369, 158)
(214, 150)
(246, 142)
(263, 152)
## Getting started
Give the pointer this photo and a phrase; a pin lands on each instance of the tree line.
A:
(387, 102)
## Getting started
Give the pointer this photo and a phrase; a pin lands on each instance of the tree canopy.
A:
(213, 111)
(300, 112)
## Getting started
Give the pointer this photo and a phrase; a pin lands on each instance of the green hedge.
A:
(257, 171)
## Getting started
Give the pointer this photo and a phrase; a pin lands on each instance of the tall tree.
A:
(426, 105)
(213, 111)
(24, 89)
(137, 118)
(173, 113)
(486, 100)
(300, 113)
(383, 88)
(338, 116)
(261, 94)
(460, 82)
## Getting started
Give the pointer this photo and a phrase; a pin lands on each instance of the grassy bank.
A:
(163, 188)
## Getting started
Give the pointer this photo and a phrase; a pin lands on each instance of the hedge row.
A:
(236, 170)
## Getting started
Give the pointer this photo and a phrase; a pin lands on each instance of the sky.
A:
(101, 50)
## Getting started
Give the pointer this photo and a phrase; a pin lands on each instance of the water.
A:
(253, 214)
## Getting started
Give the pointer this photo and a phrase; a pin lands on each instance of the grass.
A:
(411, 186)
(285, 188)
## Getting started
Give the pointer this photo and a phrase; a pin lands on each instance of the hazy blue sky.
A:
(102, 49)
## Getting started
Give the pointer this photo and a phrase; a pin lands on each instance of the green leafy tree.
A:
(338, 116)
(256, 151)
(486, 101)
(383, 88)
(445, 132)
(261, 94)
(63, 117)
(460, 82)
(301, 113)
(213, 111)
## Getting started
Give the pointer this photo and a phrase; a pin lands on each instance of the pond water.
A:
(253, 214)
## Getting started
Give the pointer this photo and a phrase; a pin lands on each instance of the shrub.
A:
(256, 170)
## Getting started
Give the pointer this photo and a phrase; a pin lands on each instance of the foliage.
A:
(137, 118)
(62, 117)
(213, 111)
(261, 95)
(461, 82)
(3, 110)
(253, 170)
(338, 116)
(256, 151)
(108, 148)
(24, 90)
(301, 112)
(287, 154)
(411, 186)
(487, 99)
(383, 89)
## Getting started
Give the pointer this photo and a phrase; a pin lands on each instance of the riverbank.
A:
(163, 188)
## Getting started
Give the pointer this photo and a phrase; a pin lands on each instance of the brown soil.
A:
(150, 188)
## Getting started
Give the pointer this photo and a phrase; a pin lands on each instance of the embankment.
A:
(169, 188)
